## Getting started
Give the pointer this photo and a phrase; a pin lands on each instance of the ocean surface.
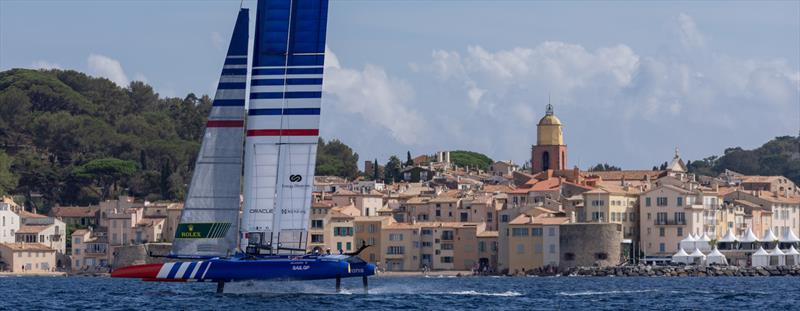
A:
(426, 293)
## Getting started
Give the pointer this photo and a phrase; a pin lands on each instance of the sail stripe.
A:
(282, 71)
(235, 61)
(231, 85)
(188, 271)
(175, 267)
(287, 111)
(286, 95)
(228, 102)
(300, 81)
(225, 123)
(284, 132)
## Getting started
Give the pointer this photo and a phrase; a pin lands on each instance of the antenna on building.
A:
(549, 109)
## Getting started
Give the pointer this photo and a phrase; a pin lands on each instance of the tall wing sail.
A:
(283, 121)
(208, 225)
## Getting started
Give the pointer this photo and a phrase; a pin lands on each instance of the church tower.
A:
(550, 152)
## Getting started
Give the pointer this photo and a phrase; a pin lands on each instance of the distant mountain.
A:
(779, 156)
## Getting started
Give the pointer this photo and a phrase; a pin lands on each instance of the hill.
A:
(779, 156)
(469, 158)
(72, 139)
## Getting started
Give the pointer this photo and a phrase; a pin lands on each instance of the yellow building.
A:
(533, 241)
(27, 258)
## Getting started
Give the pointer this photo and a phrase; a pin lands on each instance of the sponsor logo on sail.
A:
(295, 178)
(213, 230)
(260, 211)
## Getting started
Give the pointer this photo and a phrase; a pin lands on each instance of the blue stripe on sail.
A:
(288, 82)
(268, 95)
(228, 102)
(188, 271)
(234, 72)
(287, 111)
(280, 71)
(174, 270)
(231, 86)
(236, 61)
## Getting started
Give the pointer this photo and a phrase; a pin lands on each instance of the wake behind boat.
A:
(277, 151)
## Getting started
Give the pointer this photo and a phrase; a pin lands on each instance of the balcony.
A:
(670, 222)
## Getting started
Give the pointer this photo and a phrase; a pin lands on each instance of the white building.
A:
(9, 223)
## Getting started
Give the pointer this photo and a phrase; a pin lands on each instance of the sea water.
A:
(425, 293)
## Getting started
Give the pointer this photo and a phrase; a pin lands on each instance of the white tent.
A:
(703, 242)
(715, 257)
(728, 240)
(760, 258)
(681, 256)
(769, 237)
(792, 256)
(749, 239)
(697, 257)
(777, 257)
(789, 237)
(688, 242)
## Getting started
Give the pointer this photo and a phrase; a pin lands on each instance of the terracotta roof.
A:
(27, 247)
(628, 175)
(344, 192)
(524, 219)
(322, 204)
(26, 214)
(75, 211)
(746, 203)
(32, 228)
(80, 232)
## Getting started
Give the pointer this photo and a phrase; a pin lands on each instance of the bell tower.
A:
(550, 152)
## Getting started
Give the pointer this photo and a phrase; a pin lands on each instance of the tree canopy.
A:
(601, 167)
(779, 156)
(469, 158)
(337, 159)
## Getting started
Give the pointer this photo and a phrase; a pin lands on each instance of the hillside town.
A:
(504, 220)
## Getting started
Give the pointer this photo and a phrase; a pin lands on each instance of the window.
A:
(316, 224)
(317, 238)
(647, 202)
(427, 232)
(427, 244)
(661, 218)
(395, 236)
(551, 231)
(481, 246)
(77, 240)
(680, 231)
(349, 246)
(519, 231)
(338, 245)
(624, 217)
(447, 235)
(77, 251)
(536, 232)
(446, 259)
(438, 213)
(680, 218)
(661, 231)
(680, 201)
(343, 231)
(661, 201)
(662, 248)
(464, 217)
(503, 218)
(447, 246)
(395, 250)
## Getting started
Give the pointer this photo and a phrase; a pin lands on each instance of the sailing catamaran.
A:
(279, 151)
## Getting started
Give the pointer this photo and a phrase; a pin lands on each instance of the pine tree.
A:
(409, 161)
(375, 170)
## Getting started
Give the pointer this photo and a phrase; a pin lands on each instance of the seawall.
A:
(683, 271)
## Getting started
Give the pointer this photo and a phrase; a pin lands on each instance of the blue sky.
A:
(630, 80)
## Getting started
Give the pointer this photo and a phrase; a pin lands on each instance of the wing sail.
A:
(283, 120)
(208, 224)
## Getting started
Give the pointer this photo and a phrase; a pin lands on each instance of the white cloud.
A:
(690, 36)
(104, 66)
(217, 41)
(42, 64)
(378, 98)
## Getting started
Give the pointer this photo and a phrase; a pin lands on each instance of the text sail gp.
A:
(278, 151)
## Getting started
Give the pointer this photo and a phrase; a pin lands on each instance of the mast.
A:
(283, 122)
(208, 221)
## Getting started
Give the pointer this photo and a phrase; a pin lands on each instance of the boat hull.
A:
(235, 269)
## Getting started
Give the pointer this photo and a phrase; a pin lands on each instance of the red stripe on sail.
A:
(285, 132)
(225, 123)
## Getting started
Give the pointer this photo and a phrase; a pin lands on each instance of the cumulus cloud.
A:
(43, 64)
(104, 66)
(690, 36)
(378, 98)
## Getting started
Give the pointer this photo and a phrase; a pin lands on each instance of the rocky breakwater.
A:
(683, 271)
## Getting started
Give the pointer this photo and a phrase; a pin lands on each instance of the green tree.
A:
(470, 159)
(392, 170)
(409, 161)
(107, 173)
(601, 167)
(335, 158)
(8, 181)
(375, 175)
